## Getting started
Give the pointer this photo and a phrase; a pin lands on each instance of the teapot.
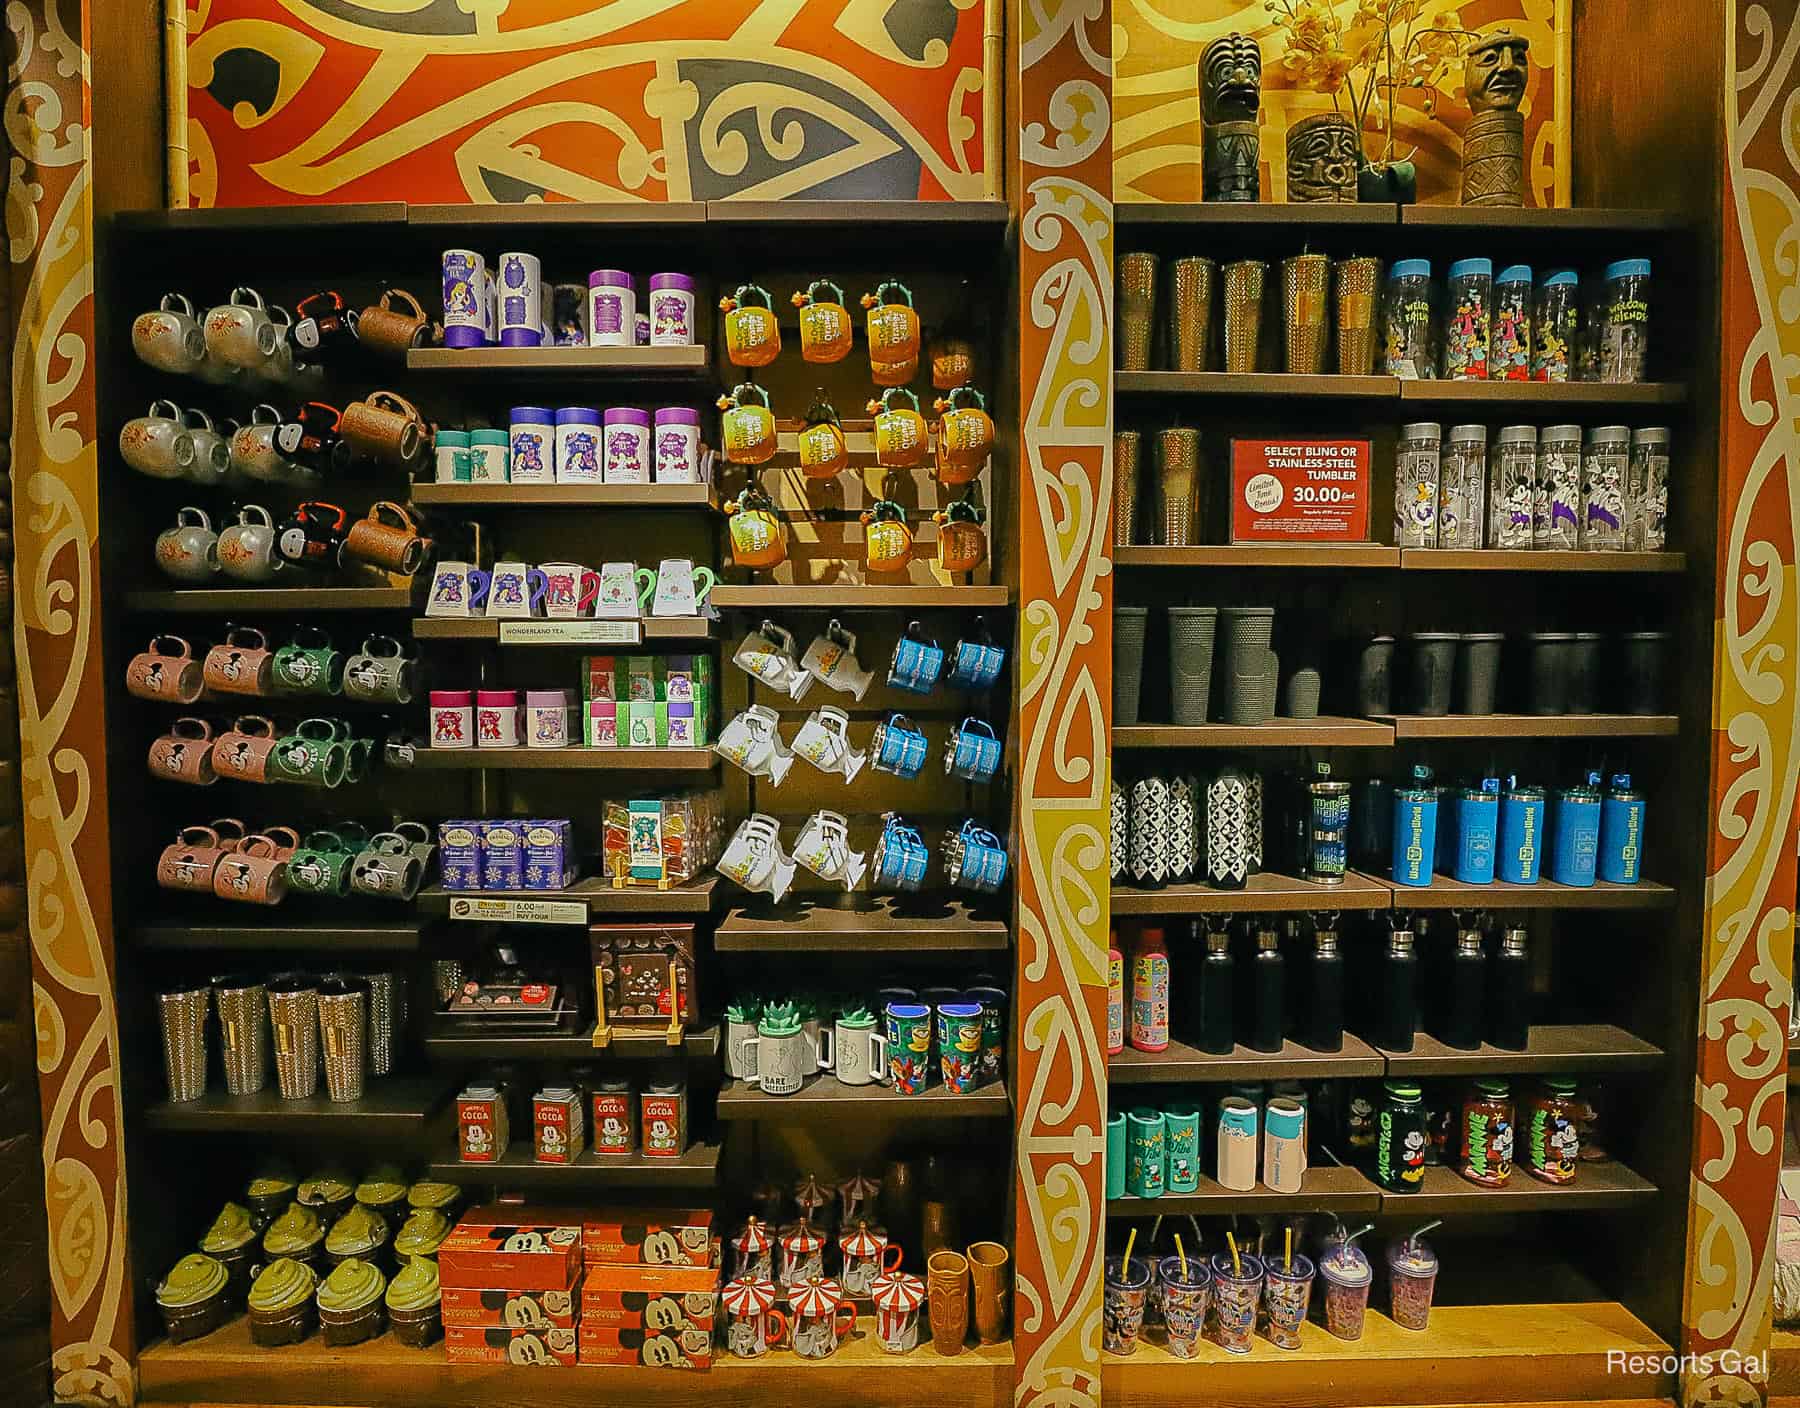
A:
(758, 538)
(962, 542)
(823, 453)
(965, 435)
(889, 540)
(952, 362)
(900, 432)
(893, 333)
(752, 332)
(824, 323)
(747, 426)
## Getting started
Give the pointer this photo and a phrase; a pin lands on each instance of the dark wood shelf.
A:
(1445, 893)
(1328, 387)
(658, 628)
(393, 1107)
(1597, 1186)
(1266, 893)
(616, 496)
(1225, 215)
(213, 600)
(601, 899)
(1507, 560)
(1184, 1063)
(1536, 220)
(879, 925)
(698, 1167)
(1526, 396)
(550, 363)
(563, 217)
(1326, 731)
(854, 596)
(826, 1098)
(1408, 726)
(280, 221)
(204, 935)
(1328, 1189)
(628, 1043)
(1589, 1048)
(925, 217)
(565, 759)
(1342, 556)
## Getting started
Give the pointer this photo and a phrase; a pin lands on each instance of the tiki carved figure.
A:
(1230, 94)
(1495, 72)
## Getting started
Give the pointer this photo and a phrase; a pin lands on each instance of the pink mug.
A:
(184, 753)
(256, 873)
(191, 861)
(242, 751)
(167, 671)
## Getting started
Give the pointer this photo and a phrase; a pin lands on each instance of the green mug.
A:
(309, 664)
(314, 753)
(321, 866)
(360, 751)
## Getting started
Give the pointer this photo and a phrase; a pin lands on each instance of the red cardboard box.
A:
(685, 1349)
(1300, 491)
(513, 1256)
(658, 1312)
(651, 1237)
(473, 1345)
(603, 1277)
(493, 1309)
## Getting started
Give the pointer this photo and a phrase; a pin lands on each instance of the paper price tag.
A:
(490, 910)
(571, 633)
(1286, 491)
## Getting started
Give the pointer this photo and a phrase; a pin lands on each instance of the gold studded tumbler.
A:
(1305, 304)
(1244, 280)
(1191, 285)
(1127, 467)
(1136, 310)
(1357, 282)
(1177, 481)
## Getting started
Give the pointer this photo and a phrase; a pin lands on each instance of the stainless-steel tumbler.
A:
(1127, 474)
(1178, 485)
(1136, 310)
(344, 1036)
(1192, 283)
(1249, 684)
(1358, 281)
(387, 1019)
(1244, 283)
(1191, 630)
(1306, 320)
(182, 1012)
(294, 1024)
(1130, 625)
(242, 1005)
(446, 978)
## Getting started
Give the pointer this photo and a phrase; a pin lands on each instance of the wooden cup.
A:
(988, 1268)
(947, 1277)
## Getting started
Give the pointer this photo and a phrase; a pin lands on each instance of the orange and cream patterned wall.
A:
(515, 100)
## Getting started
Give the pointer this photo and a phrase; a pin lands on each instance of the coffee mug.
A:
(240, 333)
(316, 754)
(313, 436)
(383, 671)
(280, 367)
(157, 443)
(768, 654)
(309, 664)
(973, 752)
(394, 329)
(515, 589)
(360, 757)
(569, 589)
(457, 588)
(976, 663)
(420, 842)
(824, 741)
(974, 859)
(188, 552)
(242, 751)
(681, 587)
(752, 740)
(901, 858)
(240, 664)
(230, 831)
(184, 753)
(325, 327)
(823, 847)
(255, 873)
(899, 746)
(385, 426)
(855, 1055)
(252, 450)
(167, 671)
(321, 866)
(311, 535)
(212, 454)
(388, 538)
(831, 660)
(169, 339)
(917, 662)
(754, 858)
(782, 1063)
(386, 868)
(617, 598)
(190, 861)
(247, 547)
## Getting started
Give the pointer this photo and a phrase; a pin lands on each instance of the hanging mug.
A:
(321, 866)
(901, 861)
(242, 751)
(754, 859)
(188, 863)
(824, 322)
(824, 741)
(758, 537)
(900, 431)
(241, 663)
(315, 754)
(681, 588)
(157, 443)
(166, 672)
(887, 539)
(962, 542)
(247, 548)
(253, 452)
(188, 552)
(313, 436)
(831, 660)
(169, 339)
(212, 455)
(975, 661)
(965, 435)
(617, 598)
(279, 366)
(753, 742)
(309, 663)
(974, 859)
(325, 327)
(184, 753)
(255, 873)
(752, 332)
(240, 333)
(973, 751)
(899, 746)
(385, 426)
(893, 333)
(747, 425)
(823, 453)
(391, 329)
(388, 538)
(767, 654)
(312, 535)
(917, 662)
(952, 362)
(386, 868)
(823, 847)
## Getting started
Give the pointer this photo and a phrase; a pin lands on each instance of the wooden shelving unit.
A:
(565, 759)
(1330, 1189)
(1546, 220)
(676, 217)
(825, 1099)
(399, 936)
(1343, 557)
(1266, 893)
(1329, 387)
(1526, 396)
(614, 496)
(565, 634)
(1326, 731)
(597, 896)
(1588, 1048)
(697, 1168)
(628, 1043)
(230, 600)
(854, 596)
(1253, 217)
(1597, 1187)
(1410, 726)
(563, 363)
(1182, 1063)
(882, 924)
(1503, 560)
(393, 1107)
(1445, 893)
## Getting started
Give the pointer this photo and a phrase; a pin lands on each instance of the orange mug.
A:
(286, 839)
(167, 671)
(242, 751)
(255, 873)
(389, 329)
(752, 332)
(893, 333)
(385, 426)
(952, 362)
(747, 426)
(965, 435)
(824, 322)
(823, 453)
(241, 664)
(962, 541)
(900, 432)
(887, 539)
(387, 538)
(757, 536)
(184, 753)
(190, 862)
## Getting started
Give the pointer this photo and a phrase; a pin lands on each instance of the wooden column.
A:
(1060, 182)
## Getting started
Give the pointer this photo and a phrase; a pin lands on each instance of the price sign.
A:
(1297, 491)
(490, 910)
(571, 633)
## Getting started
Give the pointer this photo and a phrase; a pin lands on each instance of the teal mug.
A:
(322, 865)
(1115, 1155)
(309, 664)
(315, 753)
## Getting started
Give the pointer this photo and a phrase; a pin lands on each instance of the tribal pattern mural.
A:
(1064, 186)
(49, 224)
(1747, 982)
(515, 100)
(1158, 44)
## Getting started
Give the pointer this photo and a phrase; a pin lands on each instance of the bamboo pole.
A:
(993, 97)
(175, 105)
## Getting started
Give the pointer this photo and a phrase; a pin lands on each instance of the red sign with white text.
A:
(1286, 491)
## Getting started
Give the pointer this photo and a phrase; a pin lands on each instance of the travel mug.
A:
(1146, 1158)
(1137, 309)
(1127, 450)
(1374, 677)
(1130, 625)
(1412, 1277)
(1287, 1291)
(1248, 698)
(1181, 1138)
(1478, 672)
(1642, 671)
(1305, 279)
(1192, 282)
(1244, 280)
(1115, 1155)
(242, 1004)
(294, 1023)
(1185, 1292)
(1127, 1288)
(182, 1012)
(1550, 662)
(1191, 632)
(1433, 661)
(1177, 484)
(387, 997)
(1356, 283)
(344, 1033)
(1237, 1288)
(1584, 672)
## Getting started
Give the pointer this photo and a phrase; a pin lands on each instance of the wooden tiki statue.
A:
(1322, 159)
(1493, 147)
(1230, 94)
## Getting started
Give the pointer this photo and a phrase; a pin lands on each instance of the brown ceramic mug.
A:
(286, 839)
(229, 830)
(241, 663)
(384, 426)
(184, 753)
(242, 751)
(388, 328)
(166, 671)
(387, 538)
(191, 861)
(256, 873)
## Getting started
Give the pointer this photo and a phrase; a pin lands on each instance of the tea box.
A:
(503, 856)
(549, 862)
(459, 854)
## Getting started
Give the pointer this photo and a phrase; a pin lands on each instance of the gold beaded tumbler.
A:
(1357, 280)
(1178, 475)
(1192, 282)
(1244, 281)
(1137, 310)
(1127, 452)
(1305, 280)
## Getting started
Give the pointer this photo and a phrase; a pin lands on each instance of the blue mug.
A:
(973, 752)
(976, 664)
(901, 858)
(917, 662)
(974, 859)
(899, 746)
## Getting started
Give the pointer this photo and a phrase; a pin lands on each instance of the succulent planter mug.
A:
(169, 339)
(887, 539)
(825, 332)
(893, 327)
(965, 435)
(758, 538)
(901, 435)
(157, 443)
(962, 541)
(188, 552)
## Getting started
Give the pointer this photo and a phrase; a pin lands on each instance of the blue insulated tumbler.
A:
(1575, 833)
(1477, 832)
(1621, 832)
(1521, 833)
(1415, 828)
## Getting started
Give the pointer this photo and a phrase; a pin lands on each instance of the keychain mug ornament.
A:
(900, 431)
(975, 661)
(901, 862)
(824, 322)
(973, 751)
(887, 539)
(962, 542)
(822, 451)
(899, 746)
(747, 425)
(758, 538)
(752, 332)
(965, 435)
(831, 660)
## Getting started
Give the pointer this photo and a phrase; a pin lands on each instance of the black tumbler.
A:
(1479, 672)
(1584, 672)
(1550, 651)
(1645, 658)
(1375, 677)
(1433, 656)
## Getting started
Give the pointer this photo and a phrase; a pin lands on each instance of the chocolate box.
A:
(515, 1256)
(606, 1279)
(656, 1312)
(684, 1349)
(650, 1237)
(475, 1344)
(631, 971)
(488, 1308)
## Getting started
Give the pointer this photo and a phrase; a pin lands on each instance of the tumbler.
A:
(1478, 671)
(1512, 488)
(1468, 305)
(1192, 282)
(1146, 1154)
(1374, 677)
(1244, 279)
(1605, 507)
(1347, 1278)
(1521, 834)
(1415, 830)
(1475, 826)
(242, 1004)
(1509, 355)
(1127, 447)
(1625, 321)
(1356, 334)
(1411, 324)
(1152, 824)
(1305, 280)
(1237, 1287)
(344, 1036)
(1550, 662)
(294, 1023)
(1287, 1291)
(1177, 485)
(1303, 689)
(1186, 1286)
(1621, 839)
(1556, 324)
(1127, 1288)
(1115, 1155)
(1433, 655)
(446, 978)
(1556, 503)
(386, 1019)
(182, 1011)
(1462, 488)
(1647, 490)
(1181, 1139)
(1130, 624)
(1248, 698)
(1575, 833)
(1137, 310)
(1412, 1277)
(1417, 477)
(1191, 632)
(1642, 683)
(1583, 684)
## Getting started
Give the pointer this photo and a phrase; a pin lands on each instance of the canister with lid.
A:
(1416, 478)
(1415, 829)
(1556, 324)
(1605, 471)
(1468, 306)
(1462, 488)
(1556, 504)
(1509, 358)
(1411, 326)
(1513, 490)
(1621, 832)
(1647, 490)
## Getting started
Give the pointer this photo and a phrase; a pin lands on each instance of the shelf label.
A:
(1287, 491)
(571, 633)
(488, 909)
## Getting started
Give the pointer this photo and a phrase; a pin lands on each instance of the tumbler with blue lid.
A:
(1521, 833)
(1415, 829)
(1411, 326)
(1477, 811)
(1621, 832)
(1575, 833)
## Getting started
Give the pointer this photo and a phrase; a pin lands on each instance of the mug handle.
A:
(173, 412)
(898, 1251)
(386, 508)
(778, 1324)
(204, 734)
(702, 589)
(388, 295)
(180, 301)
(191, 517)
(590, 589)
(394, 401)
(536, 584)
(878, 1067)
(646, 586)
(840, 1327)
(826, 1054)
(479, 582)
(747, 1054)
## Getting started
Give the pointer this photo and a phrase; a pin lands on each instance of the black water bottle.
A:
(1324, 1022)
(1216, 981)
(1468, 973)
(1509, 1007)
(1268, 985)
(1398, 1017)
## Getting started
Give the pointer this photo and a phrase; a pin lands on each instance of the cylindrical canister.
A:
(612, 309)
(520, 288)
(1325, 844)
(1181, 1131)
(1237, 1144)
(1509, 356)
(1115, 1002)
(1621, 832)
(677, 445)
(1284, 1145)
(490, 456)
(1115, 1155)
(1146, 1154)
(465, 300)
(1415, 829)
(1575, 833)
(577, 445)
(1477, 825)
(1556, 322)
(1625, 321)
(1556, 503)
(1462, 488)
(533, 430)
(1647, 490)
(1411, 326)
(1150, 992)
(1150, 822)
(1468, 315)
(1416, 476)
(671, 310)
(1605, 472)
(1521, 834)
(626, 435)
(1513, 488)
